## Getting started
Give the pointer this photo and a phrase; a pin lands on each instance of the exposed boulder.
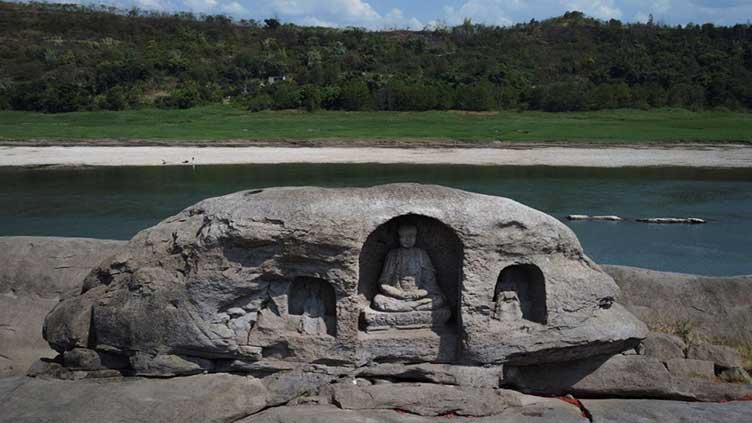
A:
(292, 273)
(35, 272)
(718, 308)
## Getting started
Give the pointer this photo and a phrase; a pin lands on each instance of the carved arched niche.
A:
(443, 247)
(520, 294)
(311, 307)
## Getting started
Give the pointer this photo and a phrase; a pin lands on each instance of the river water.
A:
(118, 202)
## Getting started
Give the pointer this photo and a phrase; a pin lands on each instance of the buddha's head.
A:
(407, 235)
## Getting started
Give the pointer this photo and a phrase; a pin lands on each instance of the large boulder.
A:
(290, 274)
(703, 307)
(35, 272)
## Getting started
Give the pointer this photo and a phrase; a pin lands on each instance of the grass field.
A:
(227, 123)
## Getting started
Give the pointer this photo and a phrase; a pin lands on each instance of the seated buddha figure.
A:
(408, 291)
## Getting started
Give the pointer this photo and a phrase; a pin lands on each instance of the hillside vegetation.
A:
(62, 58)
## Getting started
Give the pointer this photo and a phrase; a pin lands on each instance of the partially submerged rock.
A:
(609, 218)
(673, 220)
(287, 274)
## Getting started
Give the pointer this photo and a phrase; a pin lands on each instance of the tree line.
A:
(62, 58)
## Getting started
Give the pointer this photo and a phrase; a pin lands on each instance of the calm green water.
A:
(118, 202)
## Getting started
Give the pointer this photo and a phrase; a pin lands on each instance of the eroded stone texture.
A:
(662, 346)
(718, 308)
(623, 411)
(631, 376)
(287, 273)
(35, 272)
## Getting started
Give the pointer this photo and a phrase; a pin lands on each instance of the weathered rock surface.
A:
(662, 346)
(34, 273)
(286, 273)
(202, 398)
(628, 376)
(546, 413)
(683, 367)
(713, 307)
(720, 355)
(629, 411)
(428, 399)
(481, 377)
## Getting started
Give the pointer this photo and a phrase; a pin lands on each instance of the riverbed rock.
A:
(623, 411)
(683, 367)
(663, 346)
(304, 264)
(722, 356)
(707, 307)
(549, 412)
(35, 272)
(427, 399)
(202, 398)
(626, 376)
(481, 377)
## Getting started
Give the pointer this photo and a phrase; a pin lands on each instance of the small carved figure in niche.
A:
(409, 296)
(508, 306)
(313, 321)
(311, 307)
(408, 279)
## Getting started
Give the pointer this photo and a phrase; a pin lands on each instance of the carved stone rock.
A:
(291, 274)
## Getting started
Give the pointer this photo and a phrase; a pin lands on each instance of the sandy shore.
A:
(721, 156)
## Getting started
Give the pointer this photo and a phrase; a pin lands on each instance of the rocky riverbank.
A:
(651, 383)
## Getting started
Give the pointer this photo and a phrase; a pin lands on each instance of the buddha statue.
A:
(408, 294)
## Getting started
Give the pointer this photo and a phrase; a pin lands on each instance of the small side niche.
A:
(520, 294)
(311, 307)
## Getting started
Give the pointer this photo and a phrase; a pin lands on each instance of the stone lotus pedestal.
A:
(376, 321)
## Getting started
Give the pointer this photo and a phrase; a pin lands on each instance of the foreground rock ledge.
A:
(289, 273)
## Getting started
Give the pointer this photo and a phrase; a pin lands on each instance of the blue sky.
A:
(416, 14)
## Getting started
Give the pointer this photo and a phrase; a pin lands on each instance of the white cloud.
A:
(152, 4)
(314, 21)
(345, 12)
(234, 8)
(396, 19)
(201, 5)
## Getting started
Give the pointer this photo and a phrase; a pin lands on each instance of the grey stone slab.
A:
(649, 411)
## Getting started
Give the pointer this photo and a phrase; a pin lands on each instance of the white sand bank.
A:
(728, 156)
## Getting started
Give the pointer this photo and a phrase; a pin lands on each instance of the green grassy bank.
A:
(227, 123)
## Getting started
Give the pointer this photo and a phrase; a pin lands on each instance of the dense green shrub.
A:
(259, 103)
